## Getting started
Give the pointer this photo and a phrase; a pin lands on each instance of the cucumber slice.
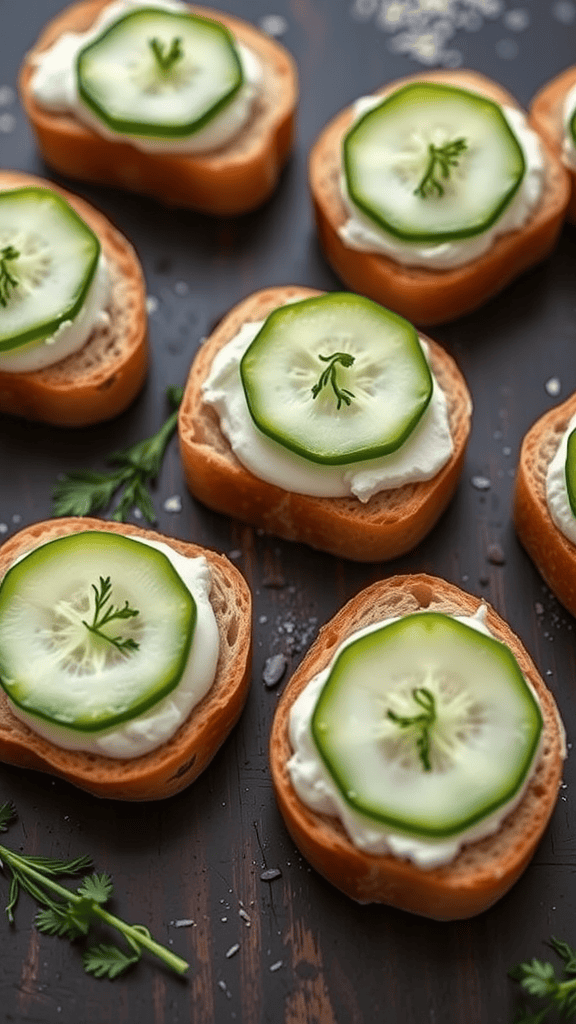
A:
(159, 73)
(570, 470)
(572, 127)
(48, 259)
(433, 163)
(427, 725)
(53, 666)
(336, 378)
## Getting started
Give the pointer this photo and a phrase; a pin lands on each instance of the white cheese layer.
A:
(568, 146)
(421, 457)
(160, 722)
(316, 788)
(360, 233)
(556, 491)
(71, 335)
(54, 87)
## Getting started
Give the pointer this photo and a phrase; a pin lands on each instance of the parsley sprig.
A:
(166, 56)
(328, 376)
(538, 978)
(441, 160)
(83, 491)
(105, 613)
(70, 914)
(421, 723)
(7, 279)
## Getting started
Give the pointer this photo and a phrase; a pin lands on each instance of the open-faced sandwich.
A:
(553, 115)
(545, 499)
(416, 753)
(73, 321)
(171, 100)
(434, 193)
(124, 656)
(327, 419)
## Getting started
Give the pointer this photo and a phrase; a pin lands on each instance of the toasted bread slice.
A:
(546, 116)
(233, 179)
(389, 524)
(482, 871)
(175, 764)
(105, 375)
(431, 296)
(553, 554)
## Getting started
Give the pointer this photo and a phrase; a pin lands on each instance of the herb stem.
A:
(441, 160)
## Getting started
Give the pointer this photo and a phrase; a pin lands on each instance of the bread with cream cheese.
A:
(483, 870)
(552, 553)
(236, 178)
(432, 296)
(105, 375)
(389, 524)
(177, 762)
(546, 115)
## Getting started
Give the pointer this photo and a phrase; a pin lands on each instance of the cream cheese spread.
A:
(54, 87)
(556, 490)
(71, 335)
(360, 233)
(421, 457)
(156, 725)
(316, 788)
(568, 146)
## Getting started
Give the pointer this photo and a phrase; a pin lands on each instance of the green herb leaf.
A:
(84, 491)
(70, 914)
(420, 723)
(328, 376)
(166, 56)
(538, 979)
(103, 615)
(441, 160)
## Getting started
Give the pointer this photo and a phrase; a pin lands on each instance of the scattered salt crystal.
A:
(552, 386)
(7, 95)
(276, 966)
(183, 922)
(274, 24)
(16, 518)
(152, 303)
(262, 619)
(3, 528)
(270, 874)
(564, 11)
(236, 553)
(274, 669)
(481, 483)
(173, 504)
(233, 949)
(539, 608)
(516, 20)
(181, 288)
(7, 123)
(245, 917)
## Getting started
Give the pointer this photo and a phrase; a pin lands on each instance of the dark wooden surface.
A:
(305, 953)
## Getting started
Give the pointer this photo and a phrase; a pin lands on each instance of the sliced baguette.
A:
(546, 116)
(389, 524)
(482, 871)
(105, 375)
(553, 554)
(175, 764)
(236, 178)
(431, 296)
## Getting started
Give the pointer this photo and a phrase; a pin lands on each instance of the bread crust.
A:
(178, 761)
(389, 524)
(234, 179)
(481, 872)
(553, 554)
(105, 375)
(546, 117)
(432, 296)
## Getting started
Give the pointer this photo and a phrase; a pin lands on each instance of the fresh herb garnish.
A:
(538, 978)
(328, 376)
(103, 615)
(421, 723)
(83, 491)
(166, 56)
(441, 159)
(70, 914)
(7, 280)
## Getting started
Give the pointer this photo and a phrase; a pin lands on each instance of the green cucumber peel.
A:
(570, 471)
(467, 752)
(173, 63)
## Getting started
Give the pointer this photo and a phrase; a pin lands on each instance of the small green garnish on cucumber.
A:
(388, 380)
(48, 259)
(420, 724)
(71, 915)
(104, 613)
(441, 161)
(161, 74)
(329, 376)
(475, 734)
(570, 471)
(8, 281)
(399, 155)
(167, 56)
